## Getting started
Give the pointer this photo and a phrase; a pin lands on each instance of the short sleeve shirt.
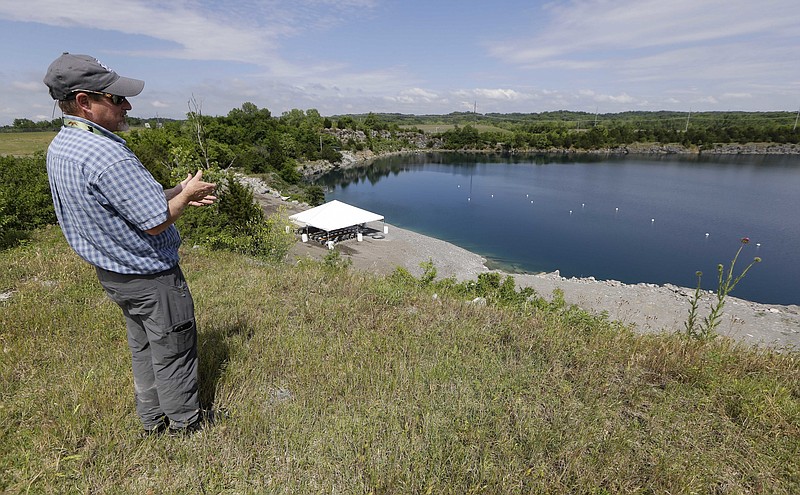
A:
(105, 199)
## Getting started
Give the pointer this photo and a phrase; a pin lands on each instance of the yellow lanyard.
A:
(70, 122)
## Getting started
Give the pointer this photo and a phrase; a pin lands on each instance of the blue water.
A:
(632, 219)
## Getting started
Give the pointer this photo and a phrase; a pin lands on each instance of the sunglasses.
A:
(115, 99)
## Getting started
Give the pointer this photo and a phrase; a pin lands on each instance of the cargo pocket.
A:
(177, 305)
(176, 314)
(182, 337)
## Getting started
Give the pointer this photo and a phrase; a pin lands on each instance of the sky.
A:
(413, 56)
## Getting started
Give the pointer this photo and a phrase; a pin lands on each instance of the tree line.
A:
(583, 131)
(252, 141)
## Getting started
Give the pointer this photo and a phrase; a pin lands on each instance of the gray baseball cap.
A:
(69, 73)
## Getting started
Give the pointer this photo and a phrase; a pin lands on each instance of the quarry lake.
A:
(647, 218)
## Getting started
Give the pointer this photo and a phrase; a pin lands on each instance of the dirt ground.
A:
(648, 307)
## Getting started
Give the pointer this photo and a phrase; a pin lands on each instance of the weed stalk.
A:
(726, 282)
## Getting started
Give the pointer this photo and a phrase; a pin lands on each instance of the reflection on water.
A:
(628, 218)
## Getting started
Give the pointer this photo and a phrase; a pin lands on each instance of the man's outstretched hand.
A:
(198, 192)
(191, 191)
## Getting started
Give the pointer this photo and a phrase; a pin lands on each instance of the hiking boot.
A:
(207, 417)
(188, 430)
(158, 429)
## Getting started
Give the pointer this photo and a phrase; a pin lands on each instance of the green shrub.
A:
(25, 200)
(237, 223)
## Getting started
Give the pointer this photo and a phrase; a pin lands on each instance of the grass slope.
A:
(342, 382)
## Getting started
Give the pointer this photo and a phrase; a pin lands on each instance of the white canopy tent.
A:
(334, 217)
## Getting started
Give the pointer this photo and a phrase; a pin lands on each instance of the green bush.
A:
(25, 200)
(314, 195)
(265, 240)
(236, 222)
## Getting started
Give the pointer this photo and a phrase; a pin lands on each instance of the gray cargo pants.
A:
(162, 336)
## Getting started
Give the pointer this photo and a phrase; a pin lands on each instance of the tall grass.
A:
(342, 382)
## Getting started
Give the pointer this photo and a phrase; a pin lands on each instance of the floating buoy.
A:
(758, 244)
(706, 234)
(583, 205)
(570, 212)
(616, 209)
(652, 220)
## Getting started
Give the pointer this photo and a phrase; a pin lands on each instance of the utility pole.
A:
(687, 121)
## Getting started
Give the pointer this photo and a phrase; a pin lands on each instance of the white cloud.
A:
(621, 98)
(596, 26)
(736, 96)
(422, 93)
(707, 99)
(28, 86)
(245, 32)
(500, 94)
(414, 96)
(570, 54)
(638, 42)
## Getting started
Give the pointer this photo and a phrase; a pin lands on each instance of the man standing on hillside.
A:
(117, 217)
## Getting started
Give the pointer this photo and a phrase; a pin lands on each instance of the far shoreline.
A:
(361, 159)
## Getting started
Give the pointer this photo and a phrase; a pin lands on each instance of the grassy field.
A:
(437, 128)
(24, 143)
(341, 382)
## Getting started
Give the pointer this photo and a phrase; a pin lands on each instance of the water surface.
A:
(654, 219)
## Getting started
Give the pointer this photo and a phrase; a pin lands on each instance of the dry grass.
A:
(341, 382)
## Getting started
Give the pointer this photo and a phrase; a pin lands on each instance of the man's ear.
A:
(83, 101)
(83, 105)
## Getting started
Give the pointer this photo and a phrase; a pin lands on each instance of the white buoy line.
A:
(583, 206)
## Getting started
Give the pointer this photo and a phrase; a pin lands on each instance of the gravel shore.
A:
(648, 307)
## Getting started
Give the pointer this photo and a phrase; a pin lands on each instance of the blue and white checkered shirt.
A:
(105, 199)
